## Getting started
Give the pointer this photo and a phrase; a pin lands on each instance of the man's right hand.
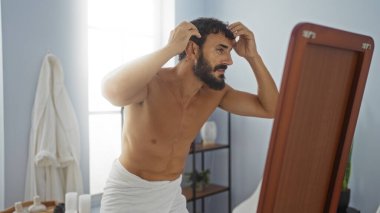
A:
(180, 36)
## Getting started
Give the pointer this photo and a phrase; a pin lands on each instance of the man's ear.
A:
(192, 50)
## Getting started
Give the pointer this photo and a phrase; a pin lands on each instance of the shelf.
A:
(50, 205)
(203, 149)
(209, 190)
(199, 147)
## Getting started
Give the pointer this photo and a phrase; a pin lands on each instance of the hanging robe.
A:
(54, 142)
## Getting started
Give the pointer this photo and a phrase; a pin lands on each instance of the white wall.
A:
(272, 22)
(30, 29)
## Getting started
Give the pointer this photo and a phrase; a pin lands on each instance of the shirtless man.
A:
(166, 107)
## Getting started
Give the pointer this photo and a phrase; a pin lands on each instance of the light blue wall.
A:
(189, 10)
(30, 29)
(272, 22)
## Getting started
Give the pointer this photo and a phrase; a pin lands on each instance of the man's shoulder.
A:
(164, 74)
(160, 81)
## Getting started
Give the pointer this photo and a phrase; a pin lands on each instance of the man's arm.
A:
(264, 103)
(128, 83)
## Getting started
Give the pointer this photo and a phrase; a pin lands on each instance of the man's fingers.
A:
(231, 26)
(238, 29)
(195, 33)
(194, 30)
(191, 28)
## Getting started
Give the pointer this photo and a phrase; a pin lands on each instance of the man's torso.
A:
(158, 132)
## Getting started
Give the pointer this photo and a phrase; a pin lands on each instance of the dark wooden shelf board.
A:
(211, 189)
(208, 147)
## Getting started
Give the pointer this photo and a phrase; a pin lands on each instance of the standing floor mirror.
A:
(320, 96)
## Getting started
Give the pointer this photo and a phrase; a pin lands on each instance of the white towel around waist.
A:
(126, 192)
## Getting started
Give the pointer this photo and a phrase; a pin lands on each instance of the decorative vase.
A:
(208, 132)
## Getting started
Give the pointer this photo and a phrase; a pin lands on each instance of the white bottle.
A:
(37, 206)
(84, 203)
(19, 208)
(71, 205)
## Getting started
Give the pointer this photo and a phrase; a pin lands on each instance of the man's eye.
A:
(219, 50)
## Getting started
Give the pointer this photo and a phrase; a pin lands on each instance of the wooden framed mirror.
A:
(320, 96)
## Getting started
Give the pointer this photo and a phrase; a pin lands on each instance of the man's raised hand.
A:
(180, 36)
(245, 46)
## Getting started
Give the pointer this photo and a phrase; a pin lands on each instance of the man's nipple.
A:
(153, 141)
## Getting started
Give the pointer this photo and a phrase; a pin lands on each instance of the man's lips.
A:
(220, 71)
(220, 68)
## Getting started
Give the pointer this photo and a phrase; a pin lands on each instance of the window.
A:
(118, 32)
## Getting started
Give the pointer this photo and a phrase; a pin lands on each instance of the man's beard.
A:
(204, 72)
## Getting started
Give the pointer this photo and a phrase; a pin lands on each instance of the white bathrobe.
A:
(53, 164)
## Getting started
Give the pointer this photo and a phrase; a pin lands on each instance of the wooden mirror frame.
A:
(321, 91)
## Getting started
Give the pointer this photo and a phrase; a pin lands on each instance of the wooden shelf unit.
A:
(210, 189)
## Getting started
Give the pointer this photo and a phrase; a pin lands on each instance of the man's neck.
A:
(189, 84)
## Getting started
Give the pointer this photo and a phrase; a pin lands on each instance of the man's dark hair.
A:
(205, 27)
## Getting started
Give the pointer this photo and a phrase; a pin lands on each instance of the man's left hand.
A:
(245, 46)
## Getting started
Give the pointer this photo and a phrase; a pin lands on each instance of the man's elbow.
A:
(111, 93)
(271, 114)
(267, 113)
(272, 109)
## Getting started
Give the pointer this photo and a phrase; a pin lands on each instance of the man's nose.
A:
(228, 60)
